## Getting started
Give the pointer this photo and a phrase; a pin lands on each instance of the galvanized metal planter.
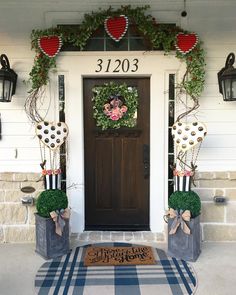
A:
(183, 246)
(48, 243)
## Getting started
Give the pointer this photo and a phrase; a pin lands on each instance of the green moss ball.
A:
(51, 200)
(186, 201)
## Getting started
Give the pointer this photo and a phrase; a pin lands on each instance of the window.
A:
(61, 94)
(100, 41)
(171, 108)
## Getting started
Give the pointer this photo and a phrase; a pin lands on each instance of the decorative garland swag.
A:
(188, 48)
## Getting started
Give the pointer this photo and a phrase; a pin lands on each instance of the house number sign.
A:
(117, 66)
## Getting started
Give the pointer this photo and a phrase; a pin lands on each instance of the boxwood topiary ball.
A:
(51, 200)
(186, 201)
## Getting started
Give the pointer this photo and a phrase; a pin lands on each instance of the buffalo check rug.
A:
(69, 275)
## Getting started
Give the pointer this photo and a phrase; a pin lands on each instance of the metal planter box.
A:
(183, 246)
(48, 243)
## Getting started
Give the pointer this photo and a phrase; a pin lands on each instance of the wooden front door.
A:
(117, 165)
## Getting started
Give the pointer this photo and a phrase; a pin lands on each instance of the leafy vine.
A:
(160, 36)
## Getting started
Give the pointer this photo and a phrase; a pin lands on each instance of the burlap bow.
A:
(179, 219)
(59, 217)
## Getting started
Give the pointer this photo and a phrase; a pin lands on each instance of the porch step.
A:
(118, 236)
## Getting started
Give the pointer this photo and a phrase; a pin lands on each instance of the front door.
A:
(117, 165)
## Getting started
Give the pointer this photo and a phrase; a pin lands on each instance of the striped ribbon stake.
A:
(182, 183)
(52, 181)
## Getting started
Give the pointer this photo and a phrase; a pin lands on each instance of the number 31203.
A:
(117, 66)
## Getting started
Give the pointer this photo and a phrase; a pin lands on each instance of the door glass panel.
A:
(171, 119)
(61, 95)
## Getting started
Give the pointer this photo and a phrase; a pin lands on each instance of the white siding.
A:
(214, 21)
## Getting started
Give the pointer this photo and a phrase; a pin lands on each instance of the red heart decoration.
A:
(116, 27)
(50, 45)
(186, 42)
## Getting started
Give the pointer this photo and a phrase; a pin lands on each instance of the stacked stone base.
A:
(119, 236)
(218, 222)
(17, 223)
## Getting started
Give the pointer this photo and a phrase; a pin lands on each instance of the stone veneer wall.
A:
(218, 221)
(16, 220)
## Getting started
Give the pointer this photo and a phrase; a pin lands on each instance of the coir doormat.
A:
(69, 276)
(95, 256)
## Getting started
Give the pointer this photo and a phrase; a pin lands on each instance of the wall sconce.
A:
(227, 79)
(8, 80)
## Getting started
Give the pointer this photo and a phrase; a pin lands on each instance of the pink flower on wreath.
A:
(115, 109)
(49, 172)
(107, 109)
(124, 109)
(114, 117)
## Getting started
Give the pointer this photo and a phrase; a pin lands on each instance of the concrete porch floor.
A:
(215, 268)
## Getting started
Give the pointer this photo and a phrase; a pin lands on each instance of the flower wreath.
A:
(114, 105)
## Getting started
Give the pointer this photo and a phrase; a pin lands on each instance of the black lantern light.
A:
(8, 80)
(227, 79)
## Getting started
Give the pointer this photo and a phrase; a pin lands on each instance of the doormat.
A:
(68, 275)
(118, 256)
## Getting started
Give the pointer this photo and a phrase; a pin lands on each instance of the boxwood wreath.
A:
(115, 105)
(159, 36)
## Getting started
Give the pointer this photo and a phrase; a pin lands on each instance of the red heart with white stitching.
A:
(50, 45)
(116, 27)
(186, 42)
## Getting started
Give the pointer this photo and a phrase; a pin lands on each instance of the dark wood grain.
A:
(116, 191)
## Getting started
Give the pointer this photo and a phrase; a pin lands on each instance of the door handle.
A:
(146, 160)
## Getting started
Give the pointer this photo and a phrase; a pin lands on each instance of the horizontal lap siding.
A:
(18, 137)
(19, 147)
(214, 22)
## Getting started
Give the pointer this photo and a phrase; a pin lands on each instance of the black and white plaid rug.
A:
(68, 275)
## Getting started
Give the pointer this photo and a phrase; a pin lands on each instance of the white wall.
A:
(214, 21)
(17, 19)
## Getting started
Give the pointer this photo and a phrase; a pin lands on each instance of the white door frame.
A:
(157, 66)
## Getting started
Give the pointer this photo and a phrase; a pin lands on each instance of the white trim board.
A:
(83, 64)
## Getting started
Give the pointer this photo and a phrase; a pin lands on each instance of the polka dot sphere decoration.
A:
(52, 134)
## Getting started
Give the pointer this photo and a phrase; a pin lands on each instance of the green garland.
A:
(102, 96)
(159, 36)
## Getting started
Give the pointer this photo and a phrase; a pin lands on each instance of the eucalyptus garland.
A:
(115, 105)
(159, 36)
